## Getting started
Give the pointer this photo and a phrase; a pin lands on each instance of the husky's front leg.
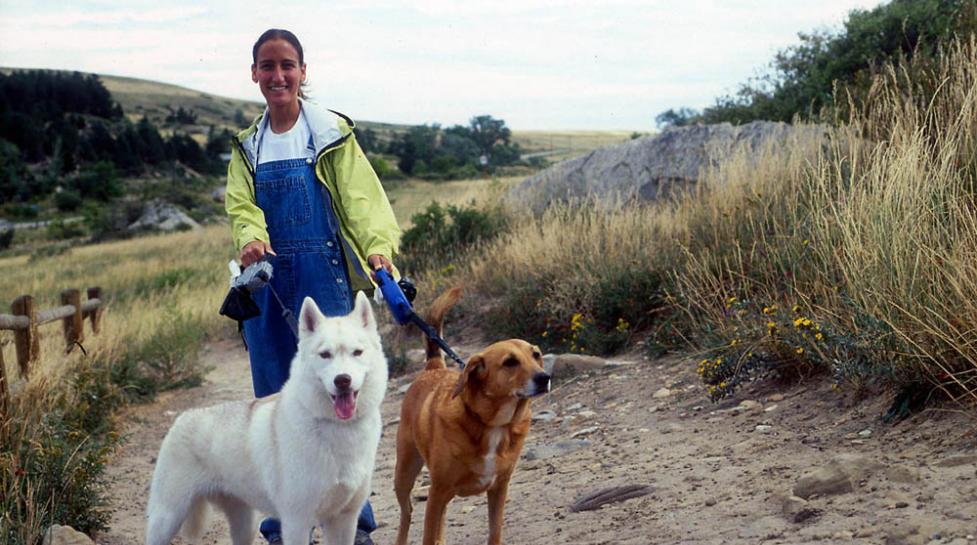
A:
(341, 528)
(296, 531)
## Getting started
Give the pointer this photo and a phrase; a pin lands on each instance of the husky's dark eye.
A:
(510, 362)
(325, 354)
(357, 352)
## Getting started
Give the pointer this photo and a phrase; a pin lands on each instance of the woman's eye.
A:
(357, 352)
(325, 354)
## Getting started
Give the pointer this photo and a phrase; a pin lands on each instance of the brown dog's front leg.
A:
(437, 505)
(496, 508)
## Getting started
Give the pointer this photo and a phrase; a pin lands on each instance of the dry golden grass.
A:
(413, 196)
(145, 281)
(872, 229)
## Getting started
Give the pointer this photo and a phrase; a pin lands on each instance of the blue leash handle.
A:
(404, 313)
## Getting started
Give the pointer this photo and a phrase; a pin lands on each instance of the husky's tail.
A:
(435, 317)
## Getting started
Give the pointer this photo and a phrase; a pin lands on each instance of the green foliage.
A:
(385, 171)
(59, 230)
(439, 234)
(100, 182)
(432, 153)
(109, 221)
(68, 200)
(804, 77)
(674, 118)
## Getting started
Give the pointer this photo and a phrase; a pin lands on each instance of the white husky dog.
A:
(304, 455)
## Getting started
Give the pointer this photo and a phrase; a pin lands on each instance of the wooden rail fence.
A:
(25, 320)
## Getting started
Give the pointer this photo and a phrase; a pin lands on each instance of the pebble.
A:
(749, 405)
(775, 397)
(865, 433)
(662, 392)
(770, 409)
(763, 428)
(575, 407)
(467, 509)
(544, 416)
(586, 414)
(585, 431)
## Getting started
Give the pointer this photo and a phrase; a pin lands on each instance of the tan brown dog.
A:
(468, 427)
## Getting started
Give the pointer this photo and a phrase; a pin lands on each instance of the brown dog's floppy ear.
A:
(475, 364)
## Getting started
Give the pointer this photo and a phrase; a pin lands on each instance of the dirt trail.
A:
(720, 473)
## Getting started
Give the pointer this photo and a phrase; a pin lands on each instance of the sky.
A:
(537, 64)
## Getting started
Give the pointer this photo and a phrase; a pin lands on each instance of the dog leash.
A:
(240, 306)
(404, 313)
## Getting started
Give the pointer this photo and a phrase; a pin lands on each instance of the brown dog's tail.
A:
(435, 317)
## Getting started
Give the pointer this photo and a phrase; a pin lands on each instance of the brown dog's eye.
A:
(325, 354)
(510, 362)
(357, 353)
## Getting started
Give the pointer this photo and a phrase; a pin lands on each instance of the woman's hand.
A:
(254, 251)
(376, 261)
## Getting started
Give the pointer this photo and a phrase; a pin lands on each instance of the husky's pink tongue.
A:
(345, 405)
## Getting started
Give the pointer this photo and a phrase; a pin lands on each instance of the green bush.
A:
(440, 234)
(67, 200)
(60, 230)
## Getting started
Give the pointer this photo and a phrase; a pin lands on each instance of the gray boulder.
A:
(161, 215)
(652, 167)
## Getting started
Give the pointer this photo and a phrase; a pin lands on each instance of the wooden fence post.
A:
(96, 315)
(26, 340)
(4, 391)
(74, 330)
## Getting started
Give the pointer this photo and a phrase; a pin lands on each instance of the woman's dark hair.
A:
(281, 34)
(277, 34)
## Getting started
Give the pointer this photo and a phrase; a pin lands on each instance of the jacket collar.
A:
(328, 129)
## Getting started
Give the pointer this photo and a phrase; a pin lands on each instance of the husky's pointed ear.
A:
(364, 312)
(473, 369)
(310, 316)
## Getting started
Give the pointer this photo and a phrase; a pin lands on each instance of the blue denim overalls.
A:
(304, 233)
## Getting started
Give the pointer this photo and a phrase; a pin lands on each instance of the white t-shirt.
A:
(291, 144)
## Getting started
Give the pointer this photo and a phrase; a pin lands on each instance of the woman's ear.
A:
(475, 365)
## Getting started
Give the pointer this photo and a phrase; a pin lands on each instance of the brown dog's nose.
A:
(343, 382)
(542, 381)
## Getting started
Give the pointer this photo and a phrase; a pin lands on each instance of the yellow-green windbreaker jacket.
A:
(367, 223)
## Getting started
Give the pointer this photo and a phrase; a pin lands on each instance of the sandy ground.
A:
(719, 473)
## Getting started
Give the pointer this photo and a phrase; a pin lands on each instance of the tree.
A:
(676, 118)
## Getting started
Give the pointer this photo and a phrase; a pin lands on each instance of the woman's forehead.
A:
(277, 48)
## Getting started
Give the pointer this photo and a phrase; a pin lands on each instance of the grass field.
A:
(560, 145)
(413, 196)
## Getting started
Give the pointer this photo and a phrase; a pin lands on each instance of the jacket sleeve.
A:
(247, 220)
(368, 216)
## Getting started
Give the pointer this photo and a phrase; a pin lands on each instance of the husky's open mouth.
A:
(345, 404)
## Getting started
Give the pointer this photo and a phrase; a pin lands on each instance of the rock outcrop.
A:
(161, 215)
(651, 167)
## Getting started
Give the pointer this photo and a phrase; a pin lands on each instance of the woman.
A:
(301, 193)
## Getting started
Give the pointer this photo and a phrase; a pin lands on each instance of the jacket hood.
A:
(329, 128)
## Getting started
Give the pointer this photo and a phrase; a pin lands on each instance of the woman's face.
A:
(278, 72)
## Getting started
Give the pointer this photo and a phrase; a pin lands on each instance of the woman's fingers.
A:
(254, 251)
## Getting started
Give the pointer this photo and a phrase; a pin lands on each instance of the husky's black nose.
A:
(542, 382)
(343, 382)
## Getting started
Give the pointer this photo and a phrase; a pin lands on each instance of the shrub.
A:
(440, 234)
(68, 200)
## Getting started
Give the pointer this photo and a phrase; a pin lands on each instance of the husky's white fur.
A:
(304, 455)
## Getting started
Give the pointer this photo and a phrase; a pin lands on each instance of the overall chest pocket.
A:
(284, 201)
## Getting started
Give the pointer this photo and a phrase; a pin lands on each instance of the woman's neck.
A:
(282, 118)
